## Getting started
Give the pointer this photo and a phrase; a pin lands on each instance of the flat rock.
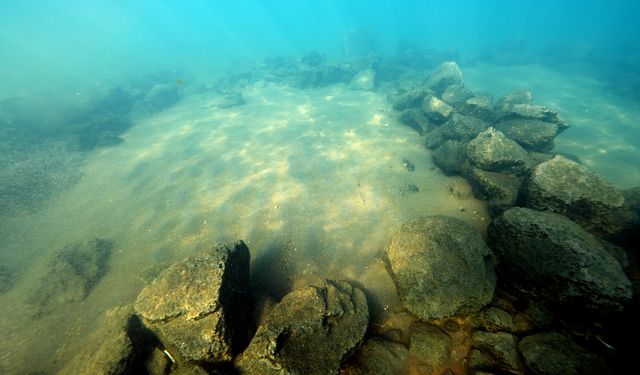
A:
(311, 331)
(198, 307)
(492, 151)
(534, 135)
(436, 109)
(446, 75)
(568, 188)
(441, 266)
(551, 353)
(552, 256)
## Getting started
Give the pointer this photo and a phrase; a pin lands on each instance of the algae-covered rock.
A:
(311, 331)
(437, 109)
(548, 254)
(492, 151)
(430, 345)
(378, 356)
(199, 307)
(450, 157)
(568, 188)
(551, 353)
(441, 266)
(494, 351)
(446, 75)
(365, 80)
(534, 135)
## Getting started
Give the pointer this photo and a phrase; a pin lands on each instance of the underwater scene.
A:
(319, 187)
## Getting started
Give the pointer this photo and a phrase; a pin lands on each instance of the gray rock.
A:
(499, 189)
(450, 157)
(480, 107)
(365, 80)
(494, 351)
(446, 75)
(493, 319)
(436, 109)
(456, 95)
(441, 266)
(108, 349)
(311, 331)
(199, 307)
(522, 96)
(416, 120)
(554, 257)
(430, 344)
(379, 356)
(72, 274)
(492, 151)
(568, 188)
(534, 135)
(407, 98)
(520, 107)
(459, 128)
(551, 353)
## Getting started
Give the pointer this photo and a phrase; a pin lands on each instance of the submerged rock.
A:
(116, 346)
(551, 353)
(533, 135)
(441, 266)
(480, 107)
(450, 157)
(162, 96)
(72, 274)
(568, 188)
(311, 331)
(199, 307)
(458, 128)
(416, 120)
(446, 75)
(364, 80)
(436, 109)
(494, 351)
(378, 356)
(492, 151)
(456, 95)
(550, 255)
(430, 345)
(499, 189)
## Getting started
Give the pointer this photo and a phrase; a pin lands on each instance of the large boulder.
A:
(446, 75)
(551, 353)
(199, 307)
(492, 151)
(533, 135)
(550, 255)
(441, 266)
(311, 331)
(568, 188)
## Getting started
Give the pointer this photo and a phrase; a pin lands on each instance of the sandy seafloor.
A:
(313, 180)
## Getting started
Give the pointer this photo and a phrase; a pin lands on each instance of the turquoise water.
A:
(122, 120)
